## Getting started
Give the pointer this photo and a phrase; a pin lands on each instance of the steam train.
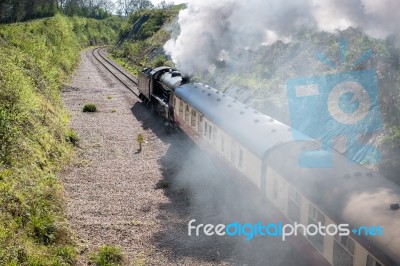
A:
(262, 150)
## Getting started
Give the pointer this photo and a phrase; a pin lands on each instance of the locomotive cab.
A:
(156, 88)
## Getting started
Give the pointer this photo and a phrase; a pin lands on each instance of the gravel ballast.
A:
(143, 201)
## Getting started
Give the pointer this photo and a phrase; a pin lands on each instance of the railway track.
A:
(131, 83)
(126, 79)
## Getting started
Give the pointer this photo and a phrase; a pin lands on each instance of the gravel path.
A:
(142, 202)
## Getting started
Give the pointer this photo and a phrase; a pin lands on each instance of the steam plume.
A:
(212, 30)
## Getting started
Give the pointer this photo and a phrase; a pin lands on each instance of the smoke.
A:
(216, 198)
(214, 31)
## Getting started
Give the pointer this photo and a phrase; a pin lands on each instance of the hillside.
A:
(262, 72)
(142, 38)
(36, 58)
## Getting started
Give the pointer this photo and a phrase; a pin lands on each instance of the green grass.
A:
(107, 256)
(72, 137)
(89, 108)
(96, 32)
(140, 259)
(35, 140)
(136, 223)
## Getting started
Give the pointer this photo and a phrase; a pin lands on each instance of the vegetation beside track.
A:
(142, 38)
(36, 58)
(264, 70)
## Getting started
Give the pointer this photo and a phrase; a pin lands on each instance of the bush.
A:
(107, 256)
(163, 184)
(90, 107)
(67, 255)
(72, 137)
(159, 61)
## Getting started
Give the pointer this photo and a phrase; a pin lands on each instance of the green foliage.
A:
(66, 255)
(94, 32)
(163, 184)
(20, 10)
(140, 259)
(152, 25)
(159, 61)
(36, 57)
(142, 39)
(90, 108)
(72, 137)
(146, 23)
(393, 140)
(107, 256)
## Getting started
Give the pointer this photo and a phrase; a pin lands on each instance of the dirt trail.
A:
(111, 189)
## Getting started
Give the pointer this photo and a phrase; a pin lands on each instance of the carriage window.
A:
(372, 262)
(193, 120)
(214, 135)
(294, 204)
(209, 132)
(240, 163)
(294, 196)
(275, 188)
(348, 243)
(233, 151)
(180, 108)
(343, 251)
(315, 216)
(187, 113)
(199, 124)
(205, 129)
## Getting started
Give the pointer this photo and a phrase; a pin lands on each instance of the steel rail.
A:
(129, 82)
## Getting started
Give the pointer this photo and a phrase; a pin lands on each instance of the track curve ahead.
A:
(126, 79)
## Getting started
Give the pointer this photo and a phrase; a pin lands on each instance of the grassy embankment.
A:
(142, 39)
(36, 57)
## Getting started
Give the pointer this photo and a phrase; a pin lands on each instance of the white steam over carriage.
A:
(262, 150)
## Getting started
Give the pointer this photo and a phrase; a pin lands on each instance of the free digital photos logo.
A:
(342, 106)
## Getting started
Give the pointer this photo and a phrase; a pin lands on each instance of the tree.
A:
(126, 7)
(164, 5)
(20, 10)
(107, 5)
(138, 5)
(87, 8)
(72, 7)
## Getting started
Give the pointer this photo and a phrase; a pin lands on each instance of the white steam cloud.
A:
(211, 30)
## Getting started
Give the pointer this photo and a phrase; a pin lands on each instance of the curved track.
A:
(127, 80)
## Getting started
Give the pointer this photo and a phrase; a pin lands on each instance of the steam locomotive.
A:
(262, 151)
